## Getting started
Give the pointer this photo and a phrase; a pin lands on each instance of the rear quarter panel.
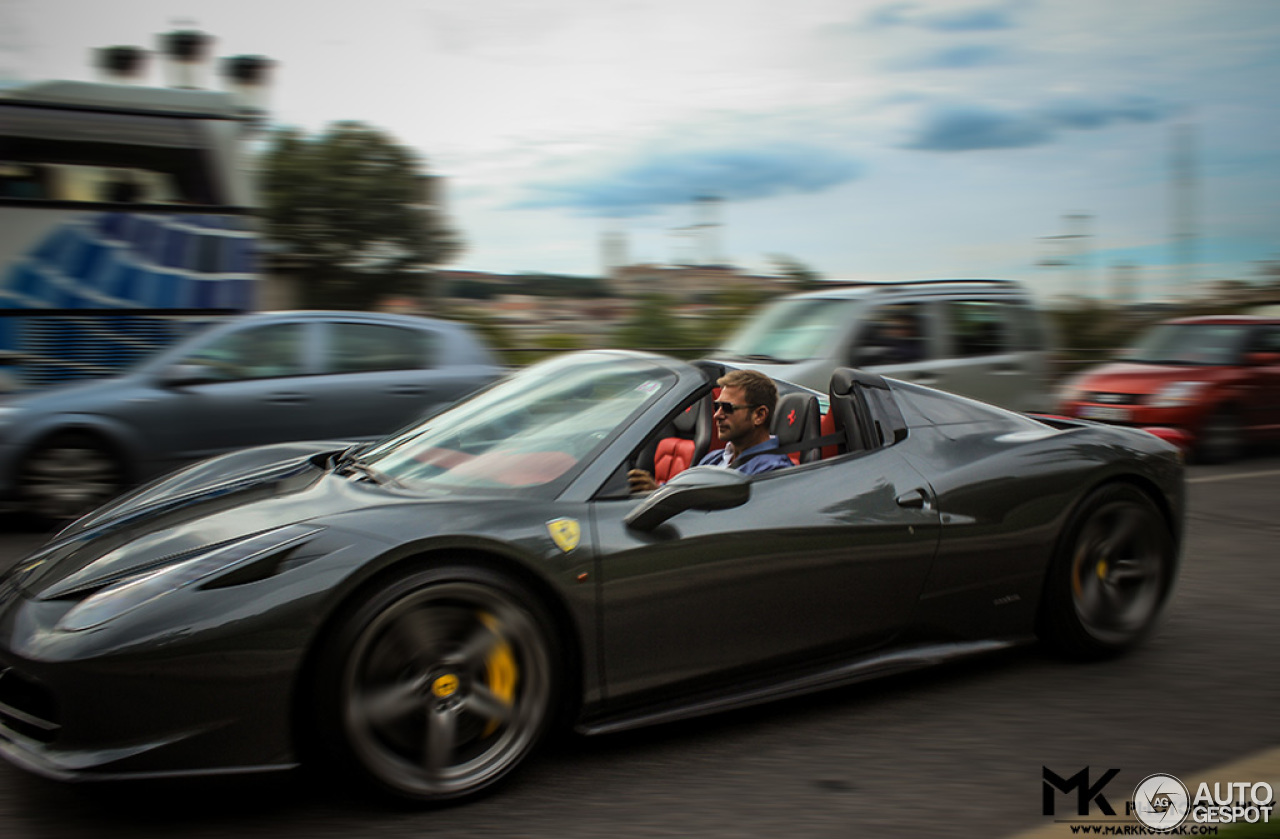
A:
(1005, 489)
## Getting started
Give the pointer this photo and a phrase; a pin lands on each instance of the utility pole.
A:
(1070, 250)
(1182, 216)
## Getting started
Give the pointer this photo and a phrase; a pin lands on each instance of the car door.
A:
(897, 340)
(376, 378)
(821, 560)
(983, 359)
(255, 390)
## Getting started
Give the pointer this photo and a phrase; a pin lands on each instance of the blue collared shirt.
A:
(757, 464)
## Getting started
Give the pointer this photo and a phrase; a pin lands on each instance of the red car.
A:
(1216, 378)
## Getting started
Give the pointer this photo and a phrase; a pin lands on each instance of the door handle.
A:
(287, 398)
(408, 390)
(916, 499)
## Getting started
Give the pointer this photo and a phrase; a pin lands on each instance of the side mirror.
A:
(700, 488)
(180, 375)
(1262, 359)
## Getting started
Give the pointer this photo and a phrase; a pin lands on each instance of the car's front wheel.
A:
(1110, 577)
(67, 475)
(440, 683)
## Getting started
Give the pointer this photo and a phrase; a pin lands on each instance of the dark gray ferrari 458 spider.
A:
(422, 610)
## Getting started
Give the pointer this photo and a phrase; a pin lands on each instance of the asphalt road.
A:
(952, 752)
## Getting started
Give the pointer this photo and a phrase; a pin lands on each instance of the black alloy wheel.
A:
(441, 683)
(1111, 575)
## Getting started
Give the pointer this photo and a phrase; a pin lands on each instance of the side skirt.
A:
(897, 661)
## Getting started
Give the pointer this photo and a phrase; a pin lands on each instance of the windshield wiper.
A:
(353, 464)
(767, 359)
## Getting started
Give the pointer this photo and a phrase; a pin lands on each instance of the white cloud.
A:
(1059, 107)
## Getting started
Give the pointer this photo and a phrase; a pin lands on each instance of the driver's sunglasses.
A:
(727, 407)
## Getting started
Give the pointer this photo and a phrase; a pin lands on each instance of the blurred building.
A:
(689, 282)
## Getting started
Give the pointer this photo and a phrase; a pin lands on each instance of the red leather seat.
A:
(687, 443)
(828, 428)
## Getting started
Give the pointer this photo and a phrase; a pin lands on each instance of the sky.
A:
(1064, 144)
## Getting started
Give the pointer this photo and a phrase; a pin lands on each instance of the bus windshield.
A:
(122, 209)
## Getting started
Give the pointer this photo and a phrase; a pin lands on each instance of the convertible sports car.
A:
(421, 610)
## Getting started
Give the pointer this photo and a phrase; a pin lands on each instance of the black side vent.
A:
(27, 708)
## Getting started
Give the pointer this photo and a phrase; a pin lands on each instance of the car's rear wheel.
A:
(1110, 577)
(68, 475)
(441, 683)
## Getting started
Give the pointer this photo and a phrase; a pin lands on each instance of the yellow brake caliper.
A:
(501, 672)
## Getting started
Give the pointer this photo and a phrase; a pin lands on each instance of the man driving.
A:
(742, 415)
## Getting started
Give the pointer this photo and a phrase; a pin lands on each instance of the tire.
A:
(440, 684)
(1221, 438)
(67, 475)
(1110, 577)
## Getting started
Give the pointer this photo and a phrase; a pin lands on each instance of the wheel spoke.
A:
(442, 728)
(1128, 524)
(476, 646)
(1123, 570)
(415, 635)
(390, 704)
(1091, 596)
(484, 703)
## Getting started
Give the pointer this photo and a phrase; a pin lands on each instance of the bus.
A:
(126, 220)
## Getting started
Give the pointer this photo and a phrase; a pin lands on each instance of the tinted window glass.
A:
(978, 327)
(1267, 340)
(893, 335)
(791, 330)
(257, 353)
(533, 428)
(366, 347)
(1190, 343)
(50, 154)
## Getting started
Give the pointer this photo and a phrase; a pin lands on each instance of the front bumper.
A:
(1186, 417)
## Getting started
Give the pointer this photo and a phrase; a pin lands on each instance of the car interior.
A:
(861, 415)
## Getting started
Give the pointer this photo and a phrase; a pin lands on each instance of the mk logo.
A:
(1084, 792)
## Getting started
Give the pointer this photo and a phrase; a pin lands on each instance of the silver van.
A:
(980, 338)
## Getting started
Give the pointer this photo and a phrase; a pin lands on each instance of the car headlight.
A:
(1176, 394)
(1069, 392)
(132, 592)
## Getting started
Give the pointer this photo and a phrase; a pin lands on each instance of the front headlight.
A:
(132, 592)
(1176, 394)
(1070, 392)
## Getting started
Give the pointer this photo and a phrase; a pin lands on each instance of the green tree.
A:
(801, 276)
(351, 209)
(652, 327)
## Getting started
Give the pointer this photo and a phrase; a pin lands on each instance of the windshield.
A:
(1206, 344)
(527, 430)
(791, 330)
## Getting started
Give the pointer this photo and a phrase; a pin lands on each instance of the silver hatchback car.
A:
(250, 380)
(979, 338)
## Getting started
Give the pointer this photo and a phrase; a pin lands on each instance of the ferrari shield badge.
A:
(566, 533)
